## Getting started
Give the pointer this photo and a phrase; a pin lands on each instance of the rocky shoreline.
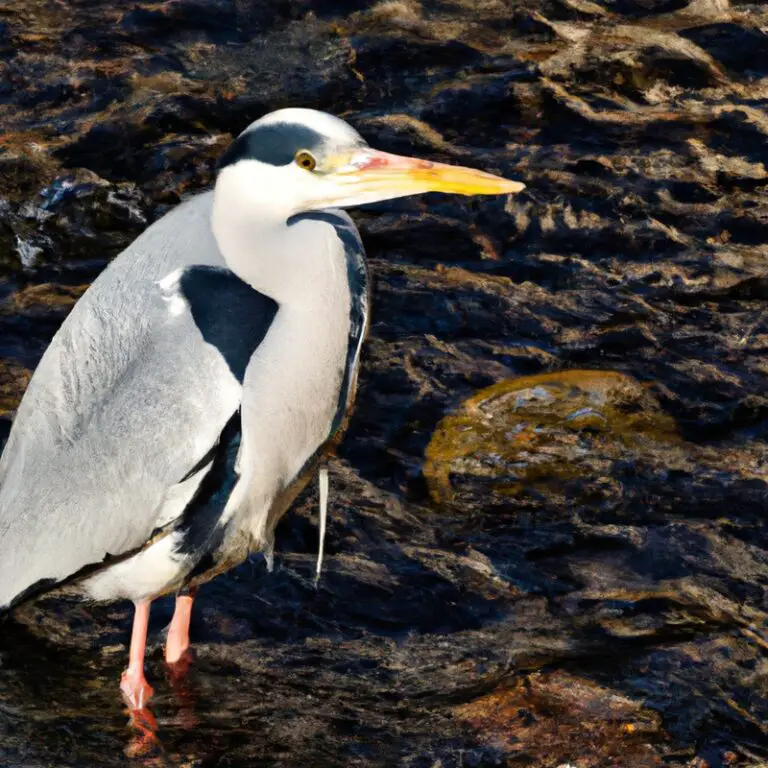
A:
(579, 577)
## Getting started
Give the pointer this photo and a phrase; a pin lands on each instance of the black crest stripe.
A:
(275, 144)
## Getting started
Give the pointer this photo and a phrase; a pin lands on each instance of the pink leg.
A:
(177, 642)
(133, 684)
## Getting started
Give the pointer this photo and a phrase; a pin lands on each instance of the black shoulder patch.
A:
(231, 315)
(200, 529)
(276, 144)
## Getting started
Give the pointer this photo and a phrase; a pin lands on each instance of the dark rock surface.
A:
(616, 616)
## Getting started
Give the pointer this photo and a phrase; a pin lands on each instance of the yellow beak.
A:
(384, 175)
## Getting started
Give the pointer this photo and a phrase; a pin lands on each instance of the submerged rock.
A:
(526, 439)
(555, 718)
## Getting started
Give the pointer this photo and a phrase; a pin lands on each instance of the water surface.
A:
(608, 608)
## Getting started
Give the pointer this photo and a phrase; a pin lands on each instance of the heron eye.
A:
(306, 160)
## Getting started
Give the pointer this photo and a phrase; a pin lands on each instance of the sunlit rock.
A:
(530, 437)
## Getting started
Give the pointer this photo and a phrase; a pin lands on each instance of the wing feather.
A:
(111, 438)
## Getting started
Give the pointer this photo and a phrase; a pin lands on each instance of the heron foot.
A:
(135, 688)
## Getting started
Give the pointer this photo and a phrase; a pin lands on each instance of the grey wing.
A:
(113, 434)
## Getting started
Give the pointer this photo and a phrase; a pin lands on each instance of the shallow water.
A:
(585, 584)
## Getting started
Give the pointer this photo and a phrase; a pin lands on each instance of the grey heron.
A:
(197, 383)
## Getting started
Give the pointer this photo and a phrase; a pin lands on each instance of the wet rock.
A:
(742, 50)
(552, 718)
(65, 217)
(590, 442)
(185, 21)
(13, 379)
(531, 436)
(605, 575)
(645, 8)
(44, 298)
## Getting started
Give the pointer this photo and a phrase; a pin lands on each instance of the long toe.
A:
(135, 689)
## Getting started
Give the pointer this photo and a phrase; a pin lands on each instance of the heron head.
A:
(297, 160)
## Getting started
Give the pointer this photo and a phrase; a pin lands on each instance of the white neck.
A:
(287, 262)
(292, 385)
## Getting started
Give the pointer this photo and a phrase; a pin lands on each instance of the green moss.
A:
(538, 429)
